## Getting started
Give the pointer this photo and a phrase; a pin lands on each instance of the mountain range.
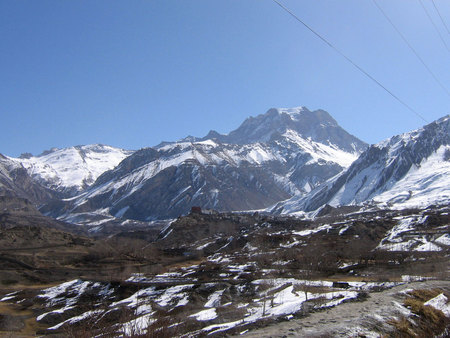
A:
(288, 160)
(407, 170)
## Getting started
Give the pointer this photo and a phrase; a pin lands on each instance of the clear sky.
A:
(133, 73)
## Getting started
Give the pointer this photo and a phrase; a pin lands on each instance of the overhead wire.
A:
(434, 25)
(411, 48)
(442, 19)
(350, 60)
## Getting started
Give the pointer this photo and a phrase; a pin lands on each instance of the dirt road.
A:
(348, 319)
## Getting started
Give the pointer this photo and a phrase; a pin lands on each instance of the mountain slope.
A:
(15, 182)
(71, 170)
(284, 156)
(174, 178)
(411, 169)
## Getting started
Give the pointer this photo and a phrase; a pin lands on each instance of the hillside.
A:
(408, 170)
(225, 274)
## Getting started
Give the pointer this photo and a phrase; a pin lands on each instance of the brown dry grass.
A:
(31, 326)
(428, 322)
(425, 295)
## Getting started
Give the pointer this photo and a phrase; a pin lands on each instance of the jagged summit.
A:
(317, 125)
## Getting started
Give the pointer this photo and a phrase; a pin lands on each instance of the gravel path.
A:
(348, 319)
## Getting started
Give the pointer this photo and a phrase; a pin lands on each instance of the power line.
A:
(412, 48)
(349, 60)
(442, 19)
(434, 25)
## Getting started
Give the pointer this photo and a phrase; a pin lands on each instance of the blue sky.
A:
(134, 73)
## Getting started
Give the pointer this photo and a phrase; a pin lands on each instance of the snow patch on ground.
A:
(399, 238)
(440, 302)
(205, 315)
(312, 231)
(214, 299)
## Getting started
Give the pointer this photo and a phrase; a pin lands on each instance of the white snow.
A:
(402, 246)
(52, 293)
(205, 315)
(208, 143)
(287, 301)
(274, 297)
(320, 151)
(59, 311)
(409, 278)
(214, 299)
(444, 239)
(73, 167)
(203, 246)
(440, 302)
(427, 184)
(343, 230)
(427, 246)
(311, 231)
(76, 319)
(424, 184)
(4, 299)
(292, 112)
(174, 294)
(137, 298)
(137, 326)
(399, 238)
(406, 224)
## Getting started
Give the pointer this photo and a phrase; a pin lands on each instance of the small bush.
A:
(402, 328)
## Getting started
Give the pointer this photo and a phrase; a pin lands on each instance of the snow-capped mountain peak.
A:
(292, 112)
(72, 169)
(269, 158)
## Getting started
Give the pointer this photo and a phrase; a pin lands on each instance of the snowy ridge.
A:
(6, 167)
(319, 151)
(201, 153)
(408, 170)
(16, 182)
(72, 169)
(293, 113)
(423, 185)
(208, 153)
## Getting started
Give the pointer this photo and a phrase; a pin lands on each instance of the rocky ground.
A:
(227, 274)
(352, 319)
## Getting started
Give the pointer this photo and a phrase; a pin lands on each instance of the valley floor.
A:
(229, 274)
